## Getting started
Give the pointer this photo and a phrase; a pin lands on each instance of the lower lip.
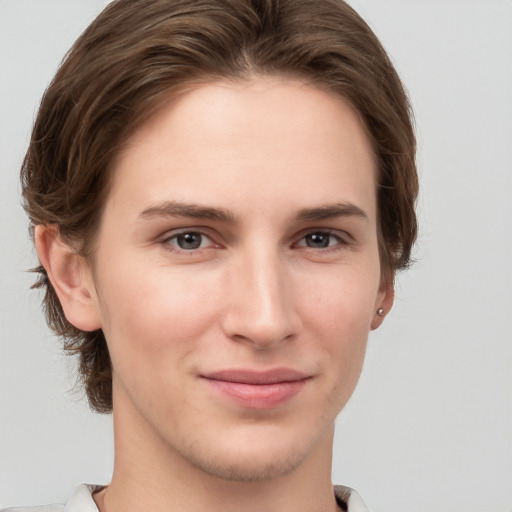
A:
(258, 396)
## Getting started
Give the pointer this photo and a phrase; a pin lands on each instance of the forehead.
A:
(269, 136)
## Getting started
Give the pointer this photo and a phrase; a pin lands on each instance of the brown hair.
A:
(137, 52)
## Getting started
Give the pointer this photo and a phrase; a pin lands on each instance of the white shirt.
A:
(82, 501)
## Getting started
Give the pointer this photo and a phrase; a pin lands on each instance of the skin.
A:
(286, 169)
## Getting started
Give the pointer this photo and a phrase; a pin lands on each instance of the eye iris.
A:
(189, 240)
(318, 240)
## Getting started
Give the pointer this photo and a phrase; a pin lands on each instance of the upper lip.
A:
(249, 376)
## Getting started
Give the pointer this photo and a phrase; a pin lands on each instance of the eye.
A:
(320, 240)
(189, 241)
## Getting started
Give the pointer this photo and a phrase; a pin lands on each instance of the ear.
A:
(384, 302)
(70, 277)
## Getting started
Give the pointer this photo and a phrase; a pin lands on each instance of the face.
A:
(237, 275)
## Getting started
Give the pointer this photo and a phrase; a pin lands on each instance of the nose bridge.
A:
(262, 310)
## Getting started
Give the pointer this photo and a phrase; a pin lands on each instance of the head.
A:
(140, 56)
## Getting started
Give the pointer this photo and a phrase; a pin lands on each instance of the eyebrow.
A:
(177, 209)
(332, 211)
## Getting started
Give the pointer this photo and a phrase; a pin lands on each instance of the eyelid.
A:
(173, 232)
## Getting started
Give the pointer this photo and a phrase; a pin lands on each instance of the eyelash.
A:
(341, 241)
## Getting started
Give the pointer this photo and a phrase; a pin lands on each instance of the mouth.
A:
(257, 389)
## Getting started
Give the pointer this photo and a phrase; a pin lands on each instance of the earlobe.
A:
(383, 305)
(70, 277)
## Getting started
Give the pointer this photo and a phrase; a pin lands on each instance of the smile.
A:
(255, 389)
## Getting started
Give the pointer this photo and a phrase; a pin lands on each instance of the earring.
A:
(380, 312)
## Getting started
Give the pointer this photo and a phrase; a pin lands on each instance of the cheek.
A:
(338, 313)
(154, 310)
(343, 301)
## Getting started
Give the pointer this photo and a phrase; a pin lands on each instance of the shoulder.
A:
(80, 501)
(349, 499)
(42, 508)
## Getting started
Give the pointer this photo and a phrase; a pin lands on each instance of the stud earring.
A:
(380, 312)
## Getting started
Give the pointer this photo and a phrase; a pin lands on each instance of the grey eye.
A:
(188, 241)
(320, 240)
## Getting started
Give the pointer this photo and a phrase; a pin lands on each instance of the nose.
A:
(260, 307)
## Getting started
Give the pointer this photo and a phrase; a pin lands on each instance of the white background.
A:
(430, 425)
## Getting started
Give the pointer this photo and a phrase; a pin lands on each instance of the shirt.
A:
(82, 501)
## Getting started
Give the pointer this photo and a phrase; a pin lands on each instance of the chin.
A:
(247, 468)
(256, 456)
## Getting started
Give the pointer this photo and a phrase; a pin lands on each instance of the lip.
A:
(257, 389)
